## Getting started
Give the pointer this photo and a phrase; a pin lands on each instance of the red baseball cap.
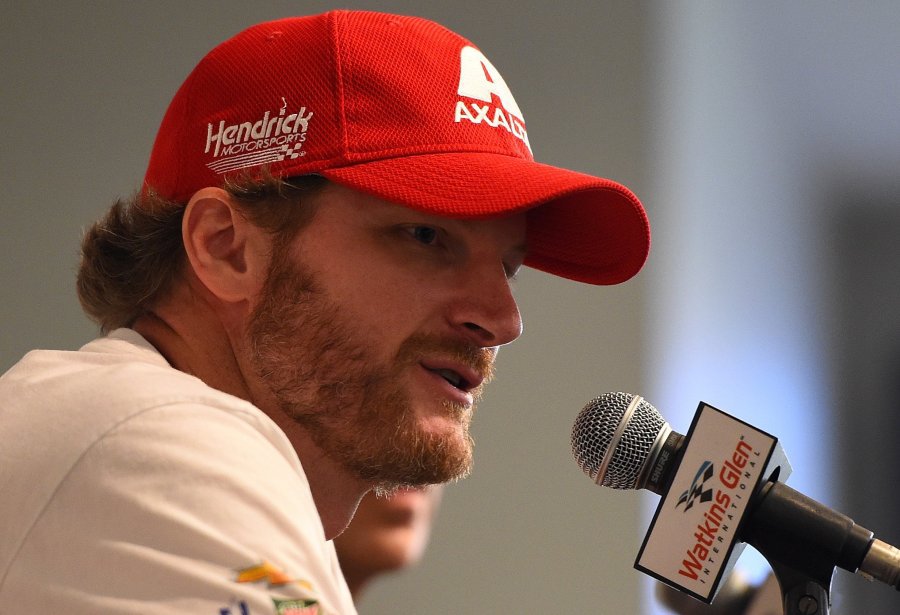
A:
(398, 107)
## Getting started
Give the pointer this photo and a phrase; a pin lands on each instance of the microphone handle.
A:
(882, 563)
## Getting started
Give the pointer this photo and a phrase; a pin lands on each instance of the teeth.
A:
(450, 376)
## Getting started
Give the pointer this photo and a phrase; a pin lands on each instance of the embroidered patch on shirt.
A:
(271, 574)
(296, 607)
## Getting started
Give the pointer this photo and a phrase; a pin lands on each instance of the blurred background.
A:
(764, 140)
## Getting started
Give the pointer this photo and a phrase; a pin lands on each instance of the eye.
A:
(425, 235)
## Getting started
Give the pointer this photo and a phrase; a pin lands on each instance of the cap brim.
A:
(580, 227)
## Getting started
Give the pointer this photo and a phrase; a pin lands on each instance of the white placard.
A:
(692, 542)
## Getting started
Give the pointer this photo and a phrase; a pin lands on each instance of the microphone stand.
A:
(804, 542)
(803, 593)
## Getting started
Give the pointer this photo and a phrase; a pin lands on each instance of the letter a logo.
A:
(479, 79)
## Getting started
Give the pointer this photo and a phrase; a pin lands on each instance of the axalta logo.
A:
(479, 80)
(269, 138)
(715, 526)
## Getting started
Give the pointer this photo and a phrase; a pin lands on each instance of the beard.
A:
(315, 361)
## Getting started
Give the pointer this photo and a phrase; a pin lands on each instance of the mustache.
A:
(475, 357)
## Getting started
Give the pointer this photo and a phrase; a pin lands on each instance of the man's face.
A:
(377, 328)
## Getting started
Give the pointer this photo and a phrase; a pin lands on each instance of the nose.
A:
(486, 310)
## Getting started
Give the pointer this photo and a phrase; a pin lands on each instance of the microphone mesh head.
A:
(594, 430)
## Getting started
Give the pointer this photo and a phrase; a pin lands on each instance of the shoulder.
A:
(169, 482)
(58, 406)
(115, 413)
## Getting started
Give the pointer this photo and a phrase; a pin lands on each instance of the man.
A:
(388, 534)
(302, 304)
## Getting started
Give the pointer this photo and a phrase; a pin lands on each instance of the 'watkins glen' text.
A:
(718, 520)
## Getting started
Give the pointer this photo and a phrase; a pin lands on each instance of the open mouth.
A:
(458, 374)
(454, 378)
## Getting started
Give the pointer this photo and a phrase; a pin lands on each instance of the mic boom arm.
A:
(804, 541)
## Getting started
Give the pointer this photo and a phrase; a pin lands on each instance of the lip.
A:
(471, 377)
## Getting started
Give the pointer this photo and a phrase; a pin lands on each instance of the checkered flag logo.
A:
(291, 151)
(697, 491)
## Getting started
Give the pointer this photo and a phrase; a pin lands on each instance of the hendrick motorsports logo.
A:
(270, 138)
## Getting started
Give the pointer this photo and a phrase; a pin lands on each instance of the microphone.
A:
(621, 441)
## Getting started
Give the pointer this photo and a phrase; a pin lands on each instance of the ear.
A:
(226, 252)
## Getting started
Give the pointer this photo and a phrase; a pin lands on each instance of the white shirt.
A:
(127, 486)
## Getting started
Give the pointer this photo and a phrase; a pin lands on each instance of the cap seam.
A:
(339, 83)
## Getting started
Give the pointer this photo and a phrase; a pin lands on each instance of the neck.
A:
(336, 492)
(194, 339)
